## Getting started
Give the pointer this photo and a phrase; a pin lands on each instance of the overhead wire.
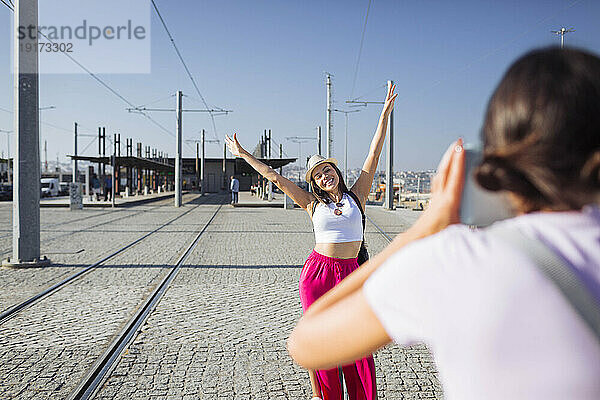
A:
(164, 24)
(362, 39)
(88, 146)
(10, 6)
(369, 92)
(101, 82)
(109, 88)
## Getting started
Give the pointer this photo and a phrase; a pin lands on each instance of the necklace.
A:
(339, 205)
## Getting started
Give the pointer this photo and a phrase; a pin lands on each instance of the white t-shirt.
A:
(498, 328)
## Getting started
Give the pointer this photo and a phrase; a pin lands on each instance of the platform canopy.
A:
(242, 166)
(188, 165)
(130, 161)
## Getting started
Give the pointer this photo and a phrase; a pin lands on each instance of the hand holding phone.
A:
(480, 207)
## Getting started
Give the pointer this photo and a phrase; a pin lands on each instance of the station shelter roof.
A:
(188, 164)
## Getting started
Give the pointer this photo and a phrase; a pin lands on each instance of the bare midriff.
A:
(338, 250)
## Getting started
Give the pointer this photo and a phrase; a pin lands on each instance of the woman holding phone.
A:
(498, 326)
(336, 212)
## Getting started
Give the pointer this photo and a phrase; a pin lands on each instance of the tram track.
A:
(14, 310)
(381, 231)
(119, 218)
(106, 363)
(72, 221)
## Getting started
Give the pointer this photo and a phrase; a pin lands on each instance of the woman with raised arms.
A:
(336, 213)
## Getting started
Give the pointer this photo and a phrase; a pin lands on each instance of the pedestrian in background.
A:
(235, 189)
(336, 213)
(107, 188)
(498, 325)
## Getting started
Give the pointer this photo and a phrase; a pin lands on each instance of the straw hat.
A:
(315, 160)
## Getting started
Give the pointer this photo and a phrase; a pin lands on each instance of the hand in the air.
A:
(388, 106)
(234, 146)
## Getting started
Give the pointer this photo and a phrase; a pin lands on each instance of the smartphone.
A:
(480, 207)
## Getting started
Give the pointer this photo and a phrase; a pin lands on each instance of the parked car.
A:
(6, 192)
(50, 187)
(63, 190)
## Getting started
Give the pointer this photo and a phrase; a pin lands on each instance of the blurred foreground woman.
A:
(498, 326)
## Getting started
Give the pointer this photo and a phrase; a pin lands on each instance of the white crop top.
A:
(332, 228)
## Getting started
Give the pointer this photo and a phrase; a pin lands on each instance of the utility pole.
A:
(388, 204)
(74, 177)
(329, 119)
(270, 184)
(280, 156)
(389, 169)
(198, 165)
(300, 140)
(179, 110)
(178, 150)
(562, 32)
(45, 156)
(26, 192)
(319, 140)
(346, 143)
(224, 187)
(203, 165)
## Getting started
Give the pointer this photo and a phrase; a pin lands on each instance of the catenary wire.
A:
(362, 39)
(212, 117)
(9, 6)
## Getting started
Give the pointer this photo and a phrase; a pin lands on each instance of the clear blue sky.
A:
(266, 60)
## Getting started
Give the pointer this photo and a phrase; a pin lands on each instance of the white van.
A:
(50, 187)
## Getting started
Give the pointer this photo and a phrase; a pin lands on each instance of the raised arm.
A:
(362, 187)
(328, 334)
(300, 196)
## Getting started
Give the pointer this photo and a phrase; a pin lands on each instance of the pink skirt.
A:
(320, 274)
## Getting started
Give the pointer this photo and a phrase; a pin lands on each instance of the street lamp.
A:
(562, 32)
(346, 142)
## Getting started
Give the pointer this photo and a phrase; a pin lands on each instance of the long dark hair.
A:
(541, 132)
(322, 195)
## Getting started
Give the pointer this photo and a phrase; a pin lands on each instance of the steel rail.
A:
(71, 221)
(14, 310)
(107, 361)
(385, 235)
(4, 251)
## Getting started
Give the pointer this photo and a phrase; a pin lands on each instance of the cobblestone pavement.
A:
(91, 242)
(48, 348)
(220, 330)
(60, 228)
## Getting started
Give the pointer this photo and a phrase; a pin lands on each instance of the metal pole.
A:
(198, 165)
(389, 169)
(346, 150)
(319, 139)
(280, 156)
(178, 151)
(114, 170)
(103, 150)
(270, 196)
(8, 144)
(26, 193)
(224, 187)
(202, 166)
(75, 154)
(329, 120)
